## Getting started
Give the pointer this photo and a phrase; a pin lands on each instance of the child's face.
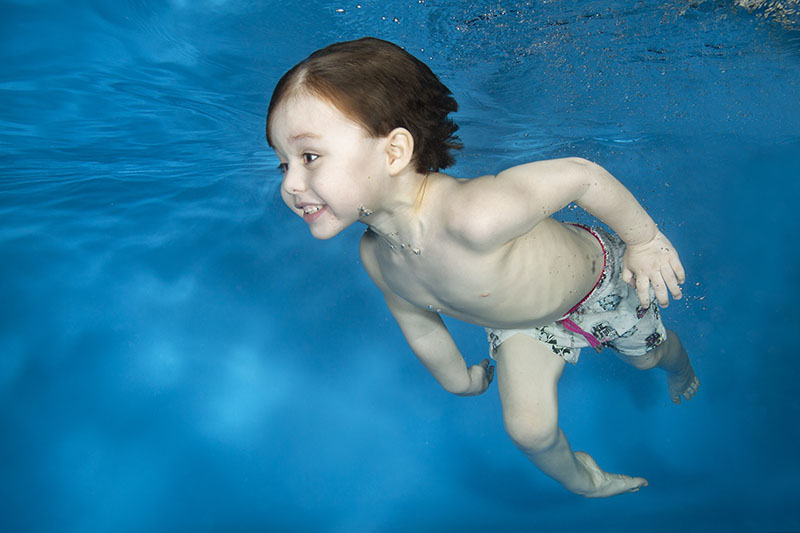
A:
(331, 168)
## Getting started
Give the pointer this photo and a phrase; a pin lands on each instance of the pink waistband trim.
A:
(575, 328)
(568, 322)
(603, 247)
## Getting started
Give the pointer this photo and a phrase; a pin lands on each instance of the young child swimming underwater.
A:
(361, 130)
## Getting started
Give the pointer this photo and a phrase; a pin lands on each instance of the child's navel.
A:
(484, 294)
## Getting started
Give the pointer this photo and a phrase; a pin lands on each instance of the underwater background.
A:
(178, 354)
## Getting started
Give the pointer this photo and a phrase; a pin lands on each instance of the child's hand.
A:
(653, 263)
(480, 377)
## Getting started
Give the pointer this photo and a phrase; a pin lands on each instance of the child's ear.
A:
(399, 150)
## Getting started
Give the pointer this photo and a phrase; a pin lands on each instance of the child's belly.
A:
(530, 282)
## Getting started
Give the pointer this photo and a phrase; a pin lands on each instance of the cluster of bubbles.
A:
(786, 12)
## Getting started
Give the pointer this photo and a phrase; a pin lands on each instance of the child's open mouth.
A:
(313, 212)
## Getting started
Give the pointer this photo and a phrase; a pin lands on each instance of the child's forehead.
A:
(301, 100)
(302, 96)
(307, 115)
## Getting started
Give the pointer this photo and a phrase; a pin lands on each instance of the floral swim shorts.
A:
(609, 316)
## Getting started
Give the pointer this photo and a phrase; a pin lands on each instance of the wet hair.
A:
(381, 87)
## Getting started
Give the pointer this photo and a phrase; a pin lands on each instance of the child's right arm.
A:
(502, 208)
(428, 337)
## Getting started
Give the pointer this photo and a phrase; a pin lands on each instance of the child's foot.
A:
(606, 484)
(682, 383)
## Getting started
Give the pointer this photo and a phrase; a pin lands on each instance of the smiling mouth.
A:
(311, 209)
(312, 212)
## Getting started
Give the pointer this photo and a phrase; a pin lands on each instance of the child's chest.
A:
(453, 282)
(517, 284)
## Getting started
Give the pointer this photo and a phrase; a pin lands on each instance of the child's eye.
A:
(283, 168)
(309, 158)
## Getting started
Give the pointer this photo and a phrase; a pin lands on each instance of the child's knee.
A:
(652, 358)
(530, 433)
(646, 361)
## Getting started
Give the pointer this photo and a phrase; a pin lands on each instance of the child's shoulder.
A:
(457, 207)
(485, 212)
(495, 209)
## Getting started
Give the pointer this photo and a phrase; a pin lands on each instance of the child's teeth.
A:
(314, 209)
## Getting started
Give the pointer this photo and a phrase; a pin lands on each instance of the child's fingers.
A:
(672, 282)
(627, 277)
(660, 290)
(489, 369)
(643, 290)
(677, 267)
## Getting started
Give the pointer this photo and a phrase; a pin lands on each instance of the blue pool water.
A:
(177, 353)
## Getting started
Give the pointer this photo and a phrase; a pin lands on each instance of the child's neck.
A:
(402, 223)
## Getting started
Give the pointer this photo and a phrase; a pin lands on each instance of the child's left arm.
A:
(527, 194)
(650, 259)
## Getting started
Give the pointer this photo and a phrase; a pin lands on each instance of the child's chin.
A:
(323, 234)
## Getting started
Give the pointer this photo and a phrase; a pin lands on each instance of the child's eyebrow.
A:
(306, 135)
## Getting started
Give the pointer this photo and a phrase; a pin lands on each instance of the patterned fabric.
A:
(611, 314)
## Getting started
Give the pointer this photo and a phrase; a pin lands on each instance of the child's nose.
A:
(293, 182)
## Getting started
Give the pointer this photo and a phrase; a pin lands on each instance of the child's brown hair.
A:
(381, 87)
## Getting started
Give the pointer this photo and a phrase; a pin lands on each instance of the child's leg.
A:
(672, 359)
(528, 373)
